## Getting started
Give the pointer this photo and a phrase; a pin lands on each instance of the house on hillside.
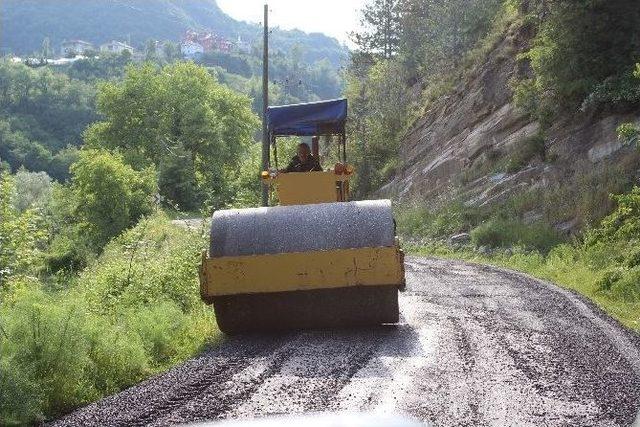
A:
(75, 47)
(209, 42)
(243, 46)
(116, 47)
(191, 49)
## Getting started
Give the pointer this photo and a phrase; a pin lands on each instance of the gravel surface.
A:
(476, 346)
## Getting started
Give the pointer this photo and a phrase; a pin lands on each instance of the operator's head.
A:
(303, 151)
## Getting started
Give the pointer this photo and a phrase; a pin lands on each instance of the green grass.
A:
(134, 312)
(603, 263)
(565, 265)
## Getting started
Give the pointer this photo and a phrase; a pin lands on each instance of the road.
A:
(476, 346)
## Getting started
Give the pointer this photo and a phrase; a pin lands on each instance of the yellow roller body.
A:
(315, 261)
(301, 271)
(310, 187)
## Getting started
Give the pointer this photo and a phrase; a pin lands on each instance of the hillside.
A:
(24, 24)
(477, 147)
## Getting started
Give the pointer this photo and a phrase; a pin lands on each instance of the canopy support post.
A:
(265, 104)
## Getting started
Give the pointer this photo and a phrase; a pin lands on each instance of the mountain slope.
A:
(24, 24)
(477, 147)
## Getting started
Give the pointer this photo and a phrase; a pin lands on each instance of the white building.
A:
(242, 46)
(191, 49)
(75, 47)
(116, 47)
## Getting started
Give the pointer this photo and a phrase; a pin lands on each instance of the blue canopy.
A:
(315, 118)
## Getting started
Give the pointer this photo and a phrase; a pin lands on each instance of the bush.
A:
(497, 233)
(21, 235)
(420, 221)
(525, 151)
(33, 190)
(149, 264)
(108, 195)
(134, 312)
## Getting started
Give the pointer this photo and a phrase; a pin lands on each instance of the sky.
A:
(333, 17)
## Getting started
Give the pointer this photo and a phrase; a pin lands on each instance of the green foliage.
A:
(33, 190)
(623, 224)
(42, 114)
(436, 35)
(381, 28)
(155, 115)
(108, 195)
(410, 54)
(629, 134)
(605, 266)
(133, 313)
(96, 68)
(525, 151)
(584, 49)
(497, 233)
(378, 108)
(439, 223)
(21, 235)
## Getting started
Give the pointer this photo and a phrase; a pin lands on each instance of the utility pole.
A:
(265, 104)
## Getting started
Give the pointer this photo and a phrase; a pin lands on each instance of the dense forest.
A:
(46, 109)
(98, 289)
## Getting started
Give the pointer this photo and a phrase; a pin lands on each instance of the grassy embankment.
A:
(134, 312)
(602, 264)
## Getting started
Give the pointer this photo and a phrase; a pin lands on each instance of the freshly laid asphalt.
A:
(476, 346)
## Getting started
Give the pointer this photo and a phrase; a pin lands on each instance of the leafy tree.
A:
(381, 28)
(378, 112)
(435, 34)
(583, 44)
(171, 51)
(21, 235)
(41, 114)
(103, 67)
(629, 133)
(46, 48)
(151, 51)
(108, 196)
(156, 113)
(33, 190)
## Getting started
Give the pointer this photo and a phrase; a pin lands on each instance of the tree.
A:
(108, 196)
(584, 44)
(46, 48)
(21, 235)
(33, 190)
(155, 114)
(171, 51)
(151, 51)
(380, 32)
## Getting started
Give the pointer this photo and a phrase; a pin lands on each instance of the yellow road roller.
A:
(317, 260)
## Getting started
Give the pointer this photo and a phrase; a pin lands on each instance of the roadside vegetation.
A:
(603, 264)
(98, 289)
(577, 58)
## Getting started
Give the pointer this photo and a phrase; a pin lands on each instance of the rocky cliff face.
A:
(461, 147)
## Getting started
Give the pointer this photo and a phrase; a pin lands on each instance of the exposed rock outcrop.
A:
(457, 148)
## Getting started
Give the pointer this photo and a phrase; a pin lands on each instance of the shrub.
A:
(497, 233)
(21, 235)
(109, 196)
(134, 312)
(33, 190)
(441, 222)
(526, 150)
(149, 264)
